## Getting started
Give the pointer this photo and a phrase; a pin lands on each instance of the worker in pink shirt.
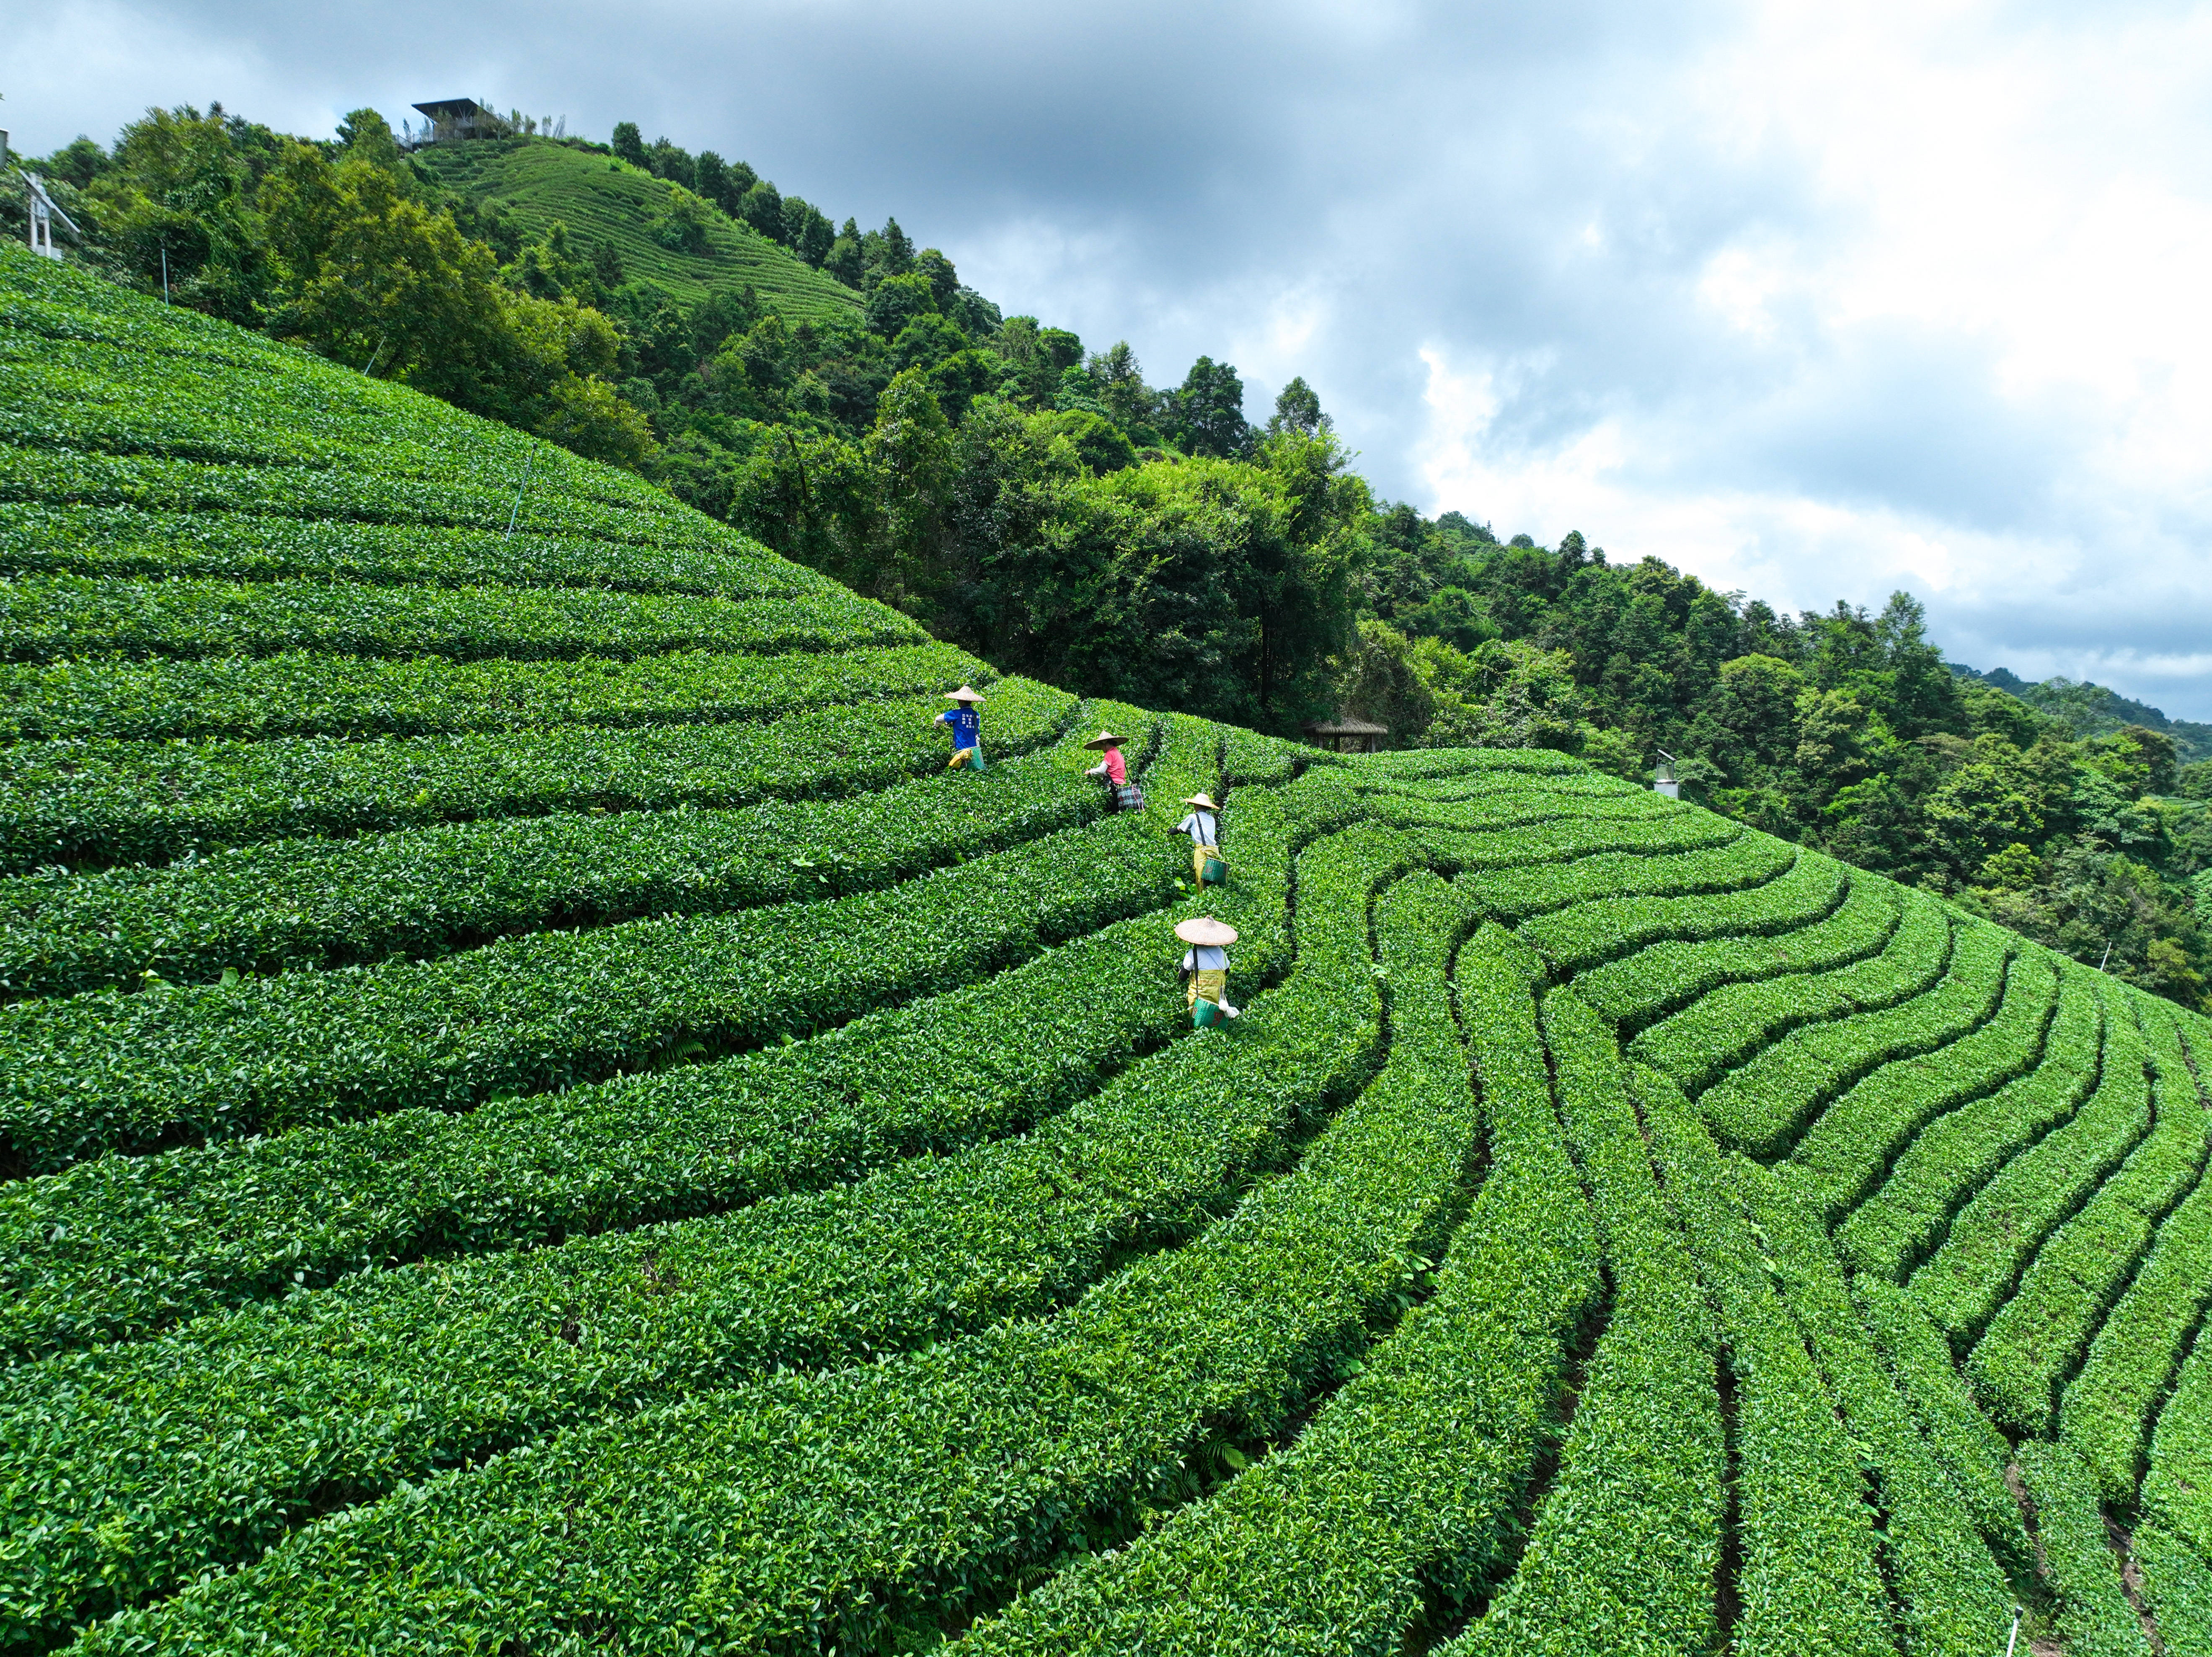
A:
(1116, 771)
(1113, 768)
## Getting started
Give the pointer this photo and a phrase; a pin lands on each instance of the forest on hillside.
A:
(1040, 503)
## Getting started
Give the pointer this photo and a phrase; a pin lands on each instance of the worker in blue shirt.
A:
(967, 729)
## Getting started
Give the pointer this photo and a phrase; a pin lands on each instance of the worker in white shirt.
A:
(1203, 825)
(1206, 968)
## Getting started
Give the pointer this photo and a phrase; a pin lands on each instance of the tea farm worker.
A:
(1113, 768)
(1205, 965)
(966, 728)
(1203, 825)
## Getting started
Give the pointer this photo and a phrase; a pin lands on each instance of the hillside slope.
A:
(536, 1117)
(2093, 710)
(600, 198)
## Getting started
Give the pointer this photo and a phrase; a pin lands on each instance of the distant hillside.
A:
(540, 180)
(2094, 710)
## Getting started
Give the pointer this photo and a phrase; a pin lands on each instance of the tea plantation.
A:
(536, 1117)
(601, 200)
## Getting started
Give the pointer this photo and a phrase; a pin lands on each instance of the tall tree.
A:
(763, 209)
(944, 281)
(180, 197)
(815, 239)
(1209, 411)
(1298, 409)
(1121, 388)
(888, 252)
(711, 178)
(670, 161)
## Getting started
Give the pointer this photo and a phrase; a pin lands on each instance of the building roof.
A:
(1345, 728)
(452, 109)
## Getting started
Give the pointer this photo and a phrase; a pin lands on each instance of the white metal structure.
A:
(43, 213)
(1662, 777)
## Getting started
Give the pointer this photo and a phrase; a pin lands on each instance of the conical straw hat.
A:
(1206, 930)
(965, 694)
(1105, 739)
(1205, 800)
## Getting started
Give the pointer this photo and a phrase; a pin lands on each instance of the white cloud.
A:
(1977, 364)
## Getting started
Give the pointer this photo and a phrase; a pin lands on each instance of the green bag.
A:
(1204, 1015)
(1214, 873)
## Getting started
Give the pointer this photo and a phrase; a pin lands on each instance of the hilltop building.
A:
(453, 120)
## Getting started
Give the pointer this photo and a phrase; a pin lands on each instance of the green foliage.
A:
(342, 248)
(1706, 1043)
(1006, 1226)
(1589, 935)
(1997, 1235)
(1970, 1450)
(2040, 1335)
(2091, 710)
(1766, 1106)
(1857, 1138)
(2177, 1584)
(1600, 872)
(1405, 1480)
(1298, 408)
(1661, 978)
(281, 905)
(538, 1112)
(537, 182)
(2175, 1492)
(1622, 1556)
(2107, 1409)
(49, 616)
(897, 301)
(295, 694)
(1843, 730)
(2093, 1613)
(567, 1007)
(1950, 1593)
(178, 196)
(1268, 1305)
(1958, 1154)
(1206, 416)
(646, 1147)
(1808, 1579)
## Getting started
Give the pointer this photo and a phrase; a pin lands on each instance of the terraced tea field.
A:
(599, 199)
(537, 1117)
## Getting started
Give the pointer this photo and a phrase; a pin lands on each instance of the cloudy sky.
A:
(1813, 301)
